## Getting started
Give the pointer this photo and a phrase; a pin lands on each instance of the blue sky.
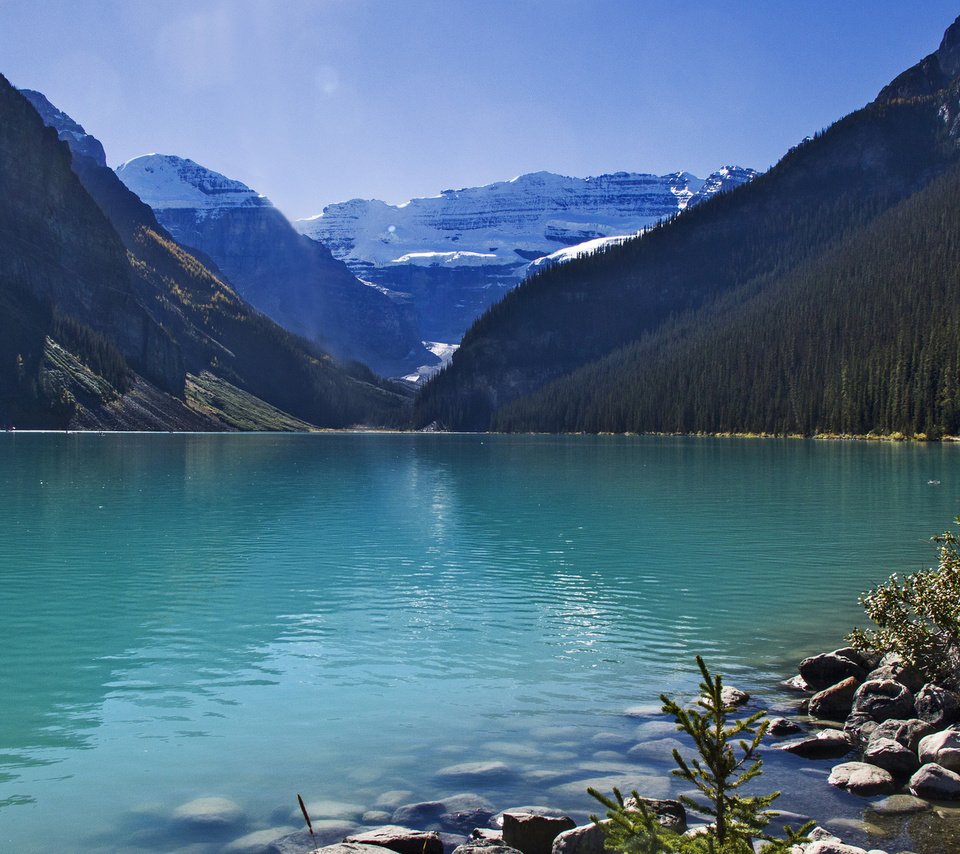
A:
(315, 101)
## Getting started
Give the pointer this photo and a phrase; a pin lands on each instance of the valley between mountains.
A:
(818, 297)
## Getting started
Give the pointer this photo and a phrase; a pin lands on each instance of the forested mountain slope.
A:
(106, 322)
(865, 338)
(701, 273)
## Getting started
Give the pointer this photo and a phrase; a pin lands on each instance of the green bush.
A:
(919, 617)
(719, 773)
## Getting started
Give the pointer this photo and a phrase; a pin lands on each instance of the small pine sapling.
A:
(719, 772)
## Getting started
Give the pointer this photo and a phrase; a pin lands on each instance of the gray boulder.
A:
(733, 697)
(942, 748)
(829, 668)
(403, 840)
(891, 756)
(583, 839)
(936, 783)
(937, 706)
(882, 699)
(894, 666)
(859, 728)
(827, 744)
(861, 778)
(532, 833)
(908, 732)
(834, 703)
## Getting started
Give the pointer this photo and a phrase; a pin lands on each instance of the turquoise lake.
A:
(346, 615)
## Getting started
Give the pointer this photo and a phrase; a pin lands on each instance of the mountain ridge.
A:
(724, 252)
(458, 252)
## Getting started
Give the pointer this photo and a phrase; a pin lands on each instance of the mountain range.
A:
(819, 297)
(459, 252)
(294, 280)
(107, 323)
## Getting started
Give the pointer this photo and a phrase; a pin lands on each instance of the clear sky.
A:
(316, 101)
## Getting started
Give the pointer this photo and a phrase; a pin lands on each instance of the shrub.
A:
(719, 773)
(919, 616)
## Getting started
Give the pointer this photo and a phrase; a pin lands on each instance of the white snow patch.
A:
(165, 181)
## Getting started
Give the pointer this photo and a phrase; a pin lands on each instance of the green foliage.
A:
(919, 617)
(727, 761)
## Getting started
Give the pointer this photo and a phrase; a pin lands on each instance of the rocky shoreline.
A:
(890, 737)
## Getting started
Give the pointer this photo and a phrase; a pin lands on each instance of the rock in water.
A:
(828, 744)
(822, 671)
(936, 783)
(209, 812)
(861, 778)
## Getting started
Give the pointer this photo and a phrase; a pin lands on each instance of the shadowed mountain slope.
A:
(103, 316)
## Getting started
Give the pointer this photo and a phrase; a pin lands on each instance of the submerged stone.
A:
(209, 812)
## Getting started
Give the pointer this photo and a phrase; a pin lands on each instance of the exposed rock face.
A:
(292, 279)
(81, 143)
(932, 73)
(459, 252)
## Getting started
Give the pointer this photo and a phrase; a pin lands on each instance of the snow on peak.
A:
(165, 181)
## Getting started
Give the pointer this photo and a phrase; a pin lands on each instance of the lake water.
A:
(252, 616)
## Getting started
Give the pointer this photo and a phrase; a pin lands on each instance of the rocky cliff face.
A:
(459, 252)
(292, 279)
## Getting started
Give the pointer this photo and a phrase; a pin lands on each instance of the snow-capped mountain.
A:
(294, 280)
(460, 251)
